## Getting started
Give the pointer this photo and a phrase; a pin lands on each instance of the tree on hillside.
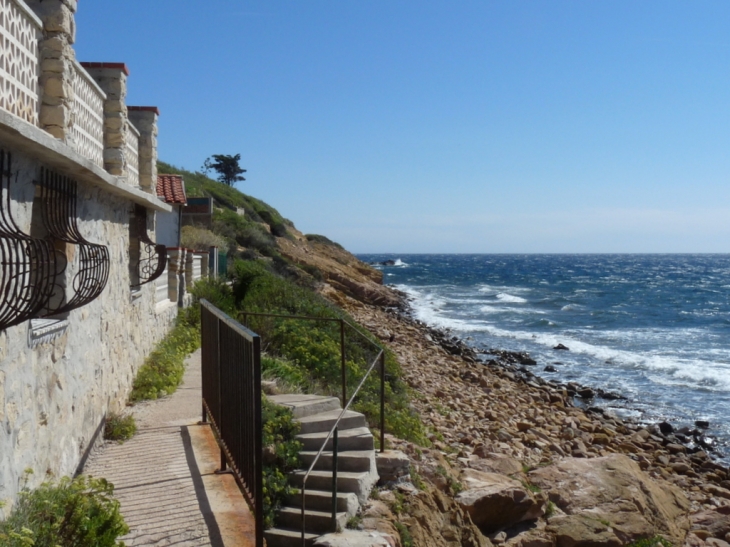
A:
(227, 167)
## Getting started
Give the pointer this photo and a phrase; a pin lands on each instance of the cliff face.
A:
(342, 273)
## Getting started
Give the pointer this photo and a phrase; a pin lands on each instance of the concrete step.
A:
(358, 438)
(349, 460)
(303, 405)
(347, 481)
(319, 500)
(315, 522)
(324, 421)
(278, 537)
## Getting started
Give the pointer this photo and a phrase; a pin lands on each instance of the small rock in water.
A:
(666, 428)
(586, 393)
(550, 368)
(562, 347)
(704, 424)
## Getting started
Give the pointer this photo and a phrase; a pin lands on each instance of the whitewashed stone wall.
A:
(53, 398)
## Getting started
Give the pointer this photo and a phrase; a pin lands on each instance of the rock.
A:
(702, 424)
(586, 393)
(550, 368)
(583, 530)
(437, 520)
(626, 501)
(561, 347)
(666, 428)
(391, 465)
(497, 463)
(494, 501)
(356, 538)
(714, 542)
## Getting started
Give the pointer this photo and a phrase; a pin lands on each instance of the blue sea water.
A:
(655, 328)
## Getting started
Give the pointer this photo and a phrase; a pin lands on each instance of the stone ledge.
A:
(35, 142)
(162, 307)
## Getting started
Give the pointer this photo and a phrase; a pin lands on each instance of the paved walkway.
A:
(164, 478)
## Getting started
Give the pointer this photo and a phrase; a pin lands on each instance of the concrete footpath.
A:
(164, 476)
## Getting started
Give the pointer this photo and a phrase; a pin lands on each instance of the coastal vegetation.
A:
(80, 512)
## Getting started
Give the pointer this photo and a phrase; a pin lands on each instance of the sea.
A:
(654, 328)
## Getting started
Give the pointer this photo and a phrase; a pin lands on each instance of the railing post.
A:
(342, 356)
(382, 401)
(335, 447)
(220, 394)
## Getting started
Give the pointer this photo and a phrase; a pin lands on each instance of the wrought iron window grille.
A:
(29, 264)
(58, 195)
(152, 258)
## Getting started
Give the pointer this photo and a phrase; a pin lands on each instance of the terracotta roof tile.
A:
(171, 188)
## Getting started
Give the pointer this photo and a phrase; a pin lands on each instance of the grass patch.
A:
(163, 369)
(550, 509)
(406, 539)
(354, 522)
(78, 512)
(119, 427)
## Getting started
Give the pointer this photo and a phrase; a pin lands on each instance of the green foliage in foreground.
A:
(119, 427)
(163, 369)
(281, 457)
(79, 513)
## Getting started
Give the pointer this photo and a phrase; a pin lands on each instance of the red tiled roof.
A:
(171, 188)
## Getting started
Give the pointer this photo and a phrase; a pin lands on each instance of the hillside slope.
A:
(262, 232)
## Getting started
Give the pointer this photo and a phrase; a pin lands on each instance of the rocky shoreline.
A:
(502, 435)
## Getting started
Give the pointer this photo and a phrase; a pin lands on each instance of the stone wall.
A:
(54, 396)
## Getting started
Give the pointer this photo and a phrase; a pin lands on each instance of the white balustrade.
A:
(131, 154)
(20, 30)
(88, 108)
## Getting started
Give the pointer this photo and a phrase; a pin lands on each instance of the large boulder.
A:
(715, 522)
(610, 501)
(495, 501)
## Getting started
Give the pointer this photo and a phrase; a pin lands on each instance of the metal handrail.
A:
(333, 431)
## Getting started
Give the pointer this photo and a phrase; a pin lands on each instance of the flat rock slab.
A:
(356, 538)
(610, 501)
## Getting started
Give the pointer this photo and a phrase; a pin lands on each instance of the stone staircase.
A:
(356, 469)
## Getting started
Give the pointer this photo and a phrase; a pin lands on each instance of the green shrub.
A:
(314, 347)
(201, 239)
(281, 457)
(119, 427)
(79, 513)
(324, 240)
(163, 369)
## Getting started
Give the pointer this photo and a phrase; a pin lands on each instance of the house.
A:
(171, 190)
(80, 299)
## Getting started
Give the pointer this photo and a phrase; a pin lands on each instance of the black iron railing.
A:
(346, 403)
(152, 258)
(231, 373)
(28, 264)
(59, 201)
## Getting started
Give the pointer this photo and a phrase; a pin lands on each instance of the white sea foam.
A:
(505, 297)
(399, 262)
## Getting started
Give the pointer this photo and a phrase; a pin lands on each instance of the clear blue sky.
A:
(441, 126)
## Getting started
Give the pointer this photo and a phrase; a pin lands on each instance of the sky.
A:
(513, 126)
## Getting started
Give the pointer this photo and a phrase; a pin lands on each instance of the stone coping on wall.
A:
(34, 141)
